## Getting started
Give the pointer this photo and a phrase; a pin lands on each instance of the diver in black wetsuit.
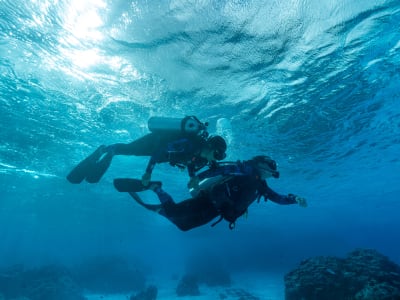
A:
(193, 149)
(238, 186)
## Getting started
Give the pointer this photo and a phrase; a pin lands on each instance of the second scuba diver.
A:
(181, 142)
(236, 186)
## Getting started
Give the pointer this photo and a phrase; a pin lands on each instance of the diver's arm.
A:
(278, 198)
(151, 164)
(154, 159)
(268, 193)
(149, 169)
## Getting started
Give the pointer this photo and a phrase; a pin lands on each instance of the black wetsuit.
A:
(229, 199)
(177, 149)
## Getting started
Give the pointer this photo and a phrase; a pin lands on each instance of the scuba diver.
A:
(181, 142)
(227, 190)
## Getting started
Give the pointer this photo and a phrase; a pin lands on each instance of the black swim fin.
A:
(91, 168)
(153, 207)
(99, 168)
(132, 185)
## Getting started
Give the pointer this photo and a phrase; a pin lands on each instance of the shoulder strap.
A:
(216, 222)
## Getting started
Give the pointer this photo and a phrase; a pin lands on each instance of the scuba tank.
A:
(209, 183)
(188, 125)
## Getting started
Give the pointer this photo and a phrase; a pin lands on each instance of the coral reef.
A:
(100, 275)
(45, 283)
(364, 274)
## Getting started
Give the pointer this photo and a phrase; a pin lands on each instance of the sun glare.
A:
(84, 19)
(83, 24)
(84, 58)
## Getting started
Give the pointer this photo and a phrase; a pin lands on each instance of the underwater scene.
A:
(199, 149)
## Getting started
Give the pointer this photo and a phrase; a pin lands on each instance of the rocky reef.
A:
(364, 274)
(105, 275)
(44, 283)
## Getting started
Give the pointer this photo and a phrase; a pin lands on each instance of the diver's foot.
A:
(97, 154)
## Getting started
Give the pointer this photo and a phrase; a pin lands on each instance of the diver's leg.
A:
(188, 214)
(162, 195)
(193, 212)
(144, 146)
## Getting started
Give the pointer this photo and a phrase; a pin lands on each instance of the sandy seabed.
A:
(245, 286)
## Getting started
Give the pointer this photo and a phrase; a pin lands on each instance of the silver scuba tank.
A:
(208, 183)
(188, 125)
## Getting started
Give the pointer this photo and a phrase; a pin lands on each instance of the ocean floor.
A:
(245, 286)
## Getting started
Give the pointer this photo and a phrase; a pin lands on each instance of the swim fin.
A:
(132, 185)
(91, 168)
(99, 168)
(153, 207)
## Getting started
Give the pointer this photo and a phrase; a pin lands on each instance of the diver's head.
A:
(266, 166)
(215, 148)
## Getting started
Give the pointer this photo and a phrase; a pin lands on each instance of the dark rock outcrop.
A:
(363, 275)
(45, 283)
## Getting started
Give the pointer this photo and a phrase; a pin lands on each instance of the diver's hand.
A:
(300, 200)
(146, 179)
(193, 182)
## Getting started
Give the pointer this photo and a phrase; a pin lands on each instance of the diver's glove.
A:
(146, 178)
(300, 200)
(193, 182)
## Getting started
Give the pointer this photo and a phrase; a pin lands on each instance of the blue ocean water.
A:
(313, 84)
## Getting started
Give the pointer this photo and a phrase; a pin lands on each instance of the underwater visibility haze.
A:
(313, 84)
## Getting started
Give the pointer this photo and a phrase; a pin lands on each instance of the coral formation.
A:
(45, 283)
(364, 274)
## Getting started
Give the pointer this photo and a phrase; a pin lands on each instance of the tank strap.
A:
(216, 222)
